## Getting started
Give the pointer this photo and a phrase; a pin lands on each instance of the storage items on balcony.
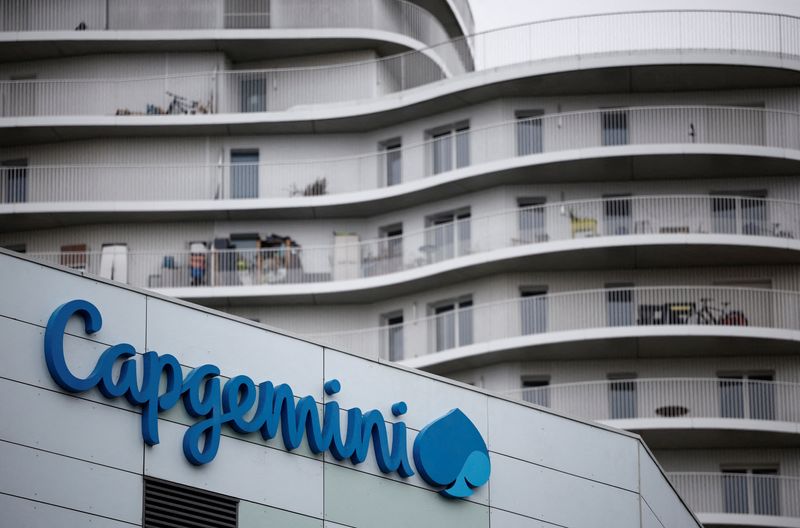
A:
(346, 256)
(114, 262)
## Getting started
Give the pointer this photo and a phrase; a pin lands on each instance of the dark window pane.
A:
(15, 184)
(529, 136)
(244, 174)
(462, 147)
(615, 128)
(622, 396)
(620, 308)
(761, 397)
(766, 492)
(731, 398)
(734, 491)
(534, 312)
(393, 165)
(537, 392)
(253, 94)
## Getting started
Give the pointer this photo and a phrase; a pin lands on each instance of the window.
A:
(74, 256)
(619, 304)
(19, 248)
(20, 97)
(392, 338)
(533, 309)
(532, 220)
(244, 14)
(747, 209)
(536, 391)
(615, 128)
(617, 214)
(448, 235)
(244, 174)
(392, 161)
(253, 87)
(390, 250)
(747, 396)
(15, 181)
(751, 490)
(529, 132)
(176, 505)
(452, 323)
(449, 147)
(622, 396)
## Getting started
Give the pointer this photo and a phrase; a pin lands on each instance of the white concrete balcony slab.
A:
(668, 321)
(740, 498)
(352, 91)
(625, 232)
(31, 30)
(626, 143)
(683, 412)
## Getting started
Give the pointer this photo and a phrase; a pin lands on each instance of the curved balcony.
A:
(621, 232)
(756, 40)
(40, 31)
(664, 321)
(707, 141)
(667, 412)
(741, 498)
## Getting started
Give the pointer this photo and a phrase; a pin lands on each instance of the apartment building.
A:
(596, 214)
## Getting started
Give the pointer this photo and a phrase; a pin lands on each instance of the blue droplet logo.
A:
(450, 452)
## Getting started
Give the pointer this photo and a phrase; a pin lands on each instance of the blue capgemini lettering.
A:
(238, 403)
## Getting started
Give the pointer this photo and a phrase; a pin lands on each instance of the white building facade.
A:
(599, 215)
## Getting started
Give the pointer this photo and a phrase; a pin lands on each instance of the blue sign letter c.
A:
(54, 344)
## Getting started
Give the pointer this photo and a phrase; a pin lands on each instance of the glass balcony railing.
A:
(464, 150)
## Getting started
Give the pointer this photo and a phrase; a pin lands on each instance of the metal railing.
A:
(536, 313)
(733, 398)
(757, 492)
(215, 263)
(662, 125)
(396, 16)
(673, 32)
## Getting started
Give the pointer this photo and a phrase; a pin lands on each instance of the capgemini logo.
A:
(450, 452)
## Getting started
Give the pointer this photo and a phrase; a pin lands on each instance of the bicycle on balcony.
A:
(708, 314)
(688, 313)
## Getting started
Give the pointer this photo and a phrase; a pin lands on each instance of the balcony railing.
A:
(729, 398)
(216, 263)
(396, 16)
(671, 32)
(528, 138)
(761, 494)
(540, 313)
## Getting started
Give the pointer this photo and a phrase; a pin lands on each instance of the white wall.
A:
(92, 472)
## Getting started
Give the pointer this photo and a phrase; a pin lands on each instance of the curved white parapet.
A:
(568, 235)
(599, 41)
(642, 404)
(593, 323)
(741, 498)
(142, 20)
(603, 341)
(520, 150)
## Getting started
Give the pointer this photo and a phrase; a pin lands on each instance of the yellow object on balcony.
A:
(582, 226)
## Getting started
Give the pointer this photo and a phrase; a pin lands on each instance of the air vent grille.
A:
(170, 505)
